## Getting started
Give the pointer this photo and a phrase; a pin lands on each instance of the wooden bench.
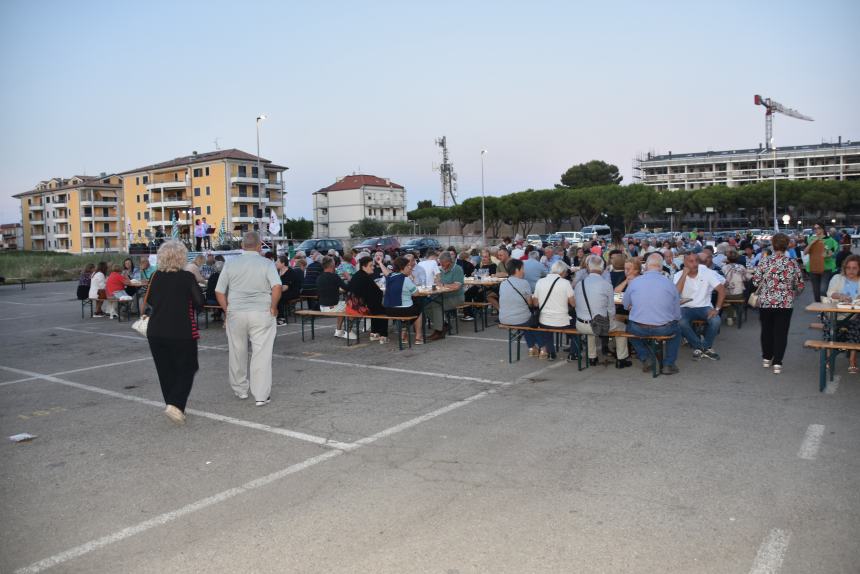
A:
(84, 304)
(205, 310)
(309, 298)
(482, 309)
(311, 316)
(21, 280)
(817, 326)
(655, 343)
(831, 348)
(120, 303)
(740, 306)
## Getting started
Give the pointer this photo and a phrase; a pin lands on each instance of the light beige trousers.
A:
(620, 342)
(259, 328)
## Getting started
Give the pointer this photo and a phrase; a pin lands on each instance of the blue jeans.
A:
(641, 347)
(531, 337)
(712, 326)
(547, 339)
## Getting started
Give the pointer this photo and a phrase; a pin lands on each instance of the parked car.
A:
(601, 231)
(386, 243)
(554, 238)
(535, 239)
(574, 238)
(321, 245)
(421, 245)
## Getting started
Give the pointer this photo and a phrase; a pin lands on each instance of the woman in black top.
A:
(362, 286)
(172, 332)
(84, 281)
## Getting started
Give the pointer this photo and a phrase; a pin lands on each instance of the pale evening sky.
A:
(110, 86)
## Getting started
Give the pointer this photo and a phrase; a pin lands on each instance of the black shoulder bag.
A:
(599, 323)
(534, 319)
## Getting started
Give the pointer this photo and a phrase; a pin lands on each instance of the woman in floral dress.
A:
(779, 280)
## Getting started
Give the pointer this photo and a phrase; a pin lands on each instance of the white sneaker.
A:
(766, 363)
(349, 336)
(340, 333)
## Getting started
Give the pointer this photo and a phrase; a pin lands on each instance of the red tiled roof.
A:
(204, 157)
(359, 181)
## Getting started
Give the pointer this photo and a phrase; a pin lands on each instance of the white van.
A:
(601, 231)
(573, 238)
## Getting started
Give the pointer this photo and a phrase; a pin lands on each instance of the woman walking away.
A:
(98, 282)
(172, 332)
(779, 280)
(821, 249)
(845, 288)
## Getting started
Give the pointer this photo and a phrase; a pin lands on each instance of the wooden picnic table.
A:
(833, 310)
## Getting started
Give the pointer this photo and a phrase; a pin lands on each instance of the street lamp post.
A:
(710, 212)
(260, 118)
(775, 221)
(786, 219)
(671, 219)
(483, 218)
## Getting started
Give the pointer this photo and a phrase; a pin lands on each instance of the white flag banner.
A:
(274, 224)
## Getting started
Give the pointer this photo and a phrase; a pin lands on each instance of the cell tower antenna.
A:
(217, 148)
(447, 174)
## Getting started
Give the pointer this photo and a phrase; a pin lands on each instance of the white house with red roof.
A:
(353, 198)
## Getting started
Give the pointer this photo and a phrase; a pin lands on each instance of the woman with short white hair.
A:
(172, 332)
(554, 297)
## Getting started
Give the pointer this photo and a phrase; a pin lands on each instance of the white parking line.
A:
(171, 516)
(137, 338)
(832, 386)
(90, 368)
(214, 416)
(317, 328)
(20, 317)
(168, 517)
(771, 553)
(811, 442)
(390, 369)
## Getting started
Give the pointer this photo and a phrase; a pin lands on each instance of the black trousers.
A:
(774, 333)
(176, 364)
(820, 283)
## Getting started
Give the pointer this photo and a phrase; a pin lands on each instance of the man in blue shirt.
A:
(549, 259)
(655, 309)
(533, 269)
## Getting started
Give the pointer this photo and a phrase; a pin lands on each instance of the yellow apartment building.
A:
(222, 186)
(80, 214)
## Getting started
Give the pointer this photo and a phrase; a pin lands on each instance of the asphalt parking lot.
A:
(443, 458)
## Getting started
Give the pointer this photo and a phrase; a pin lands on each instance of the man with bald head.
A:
(655, 309)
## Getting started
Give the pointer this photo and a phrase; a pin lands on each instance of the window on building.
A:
(106, 227)
(198, 211)
(243, 171)
(176, 176)
(106, 180)
(105, 212)
(48, 199)
(196, 192)
(138, 198)
(145, 179)
(243, 211)
(137, 180)
(254, 171)
(138, 216)
(207, 171)
(393, 213)
(258, 213)
(243, 191)
(198, 172)
(208, 190)
(146, 215)
(208, 210)
(145, 197)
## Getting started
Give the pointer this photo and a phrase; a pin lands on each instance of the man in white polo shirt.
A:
(248, 291)
(695, 284)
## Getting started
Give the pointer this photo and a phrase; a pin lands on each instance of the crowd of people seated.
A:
(676, 289)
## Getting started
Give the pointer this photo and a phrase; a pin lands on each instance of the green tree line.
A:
(629, 205)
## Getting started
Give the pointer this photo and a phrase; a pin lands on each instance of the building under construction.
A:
(833, 161)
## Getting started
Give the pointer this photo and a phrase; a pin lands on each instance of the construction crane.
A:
(772, 107)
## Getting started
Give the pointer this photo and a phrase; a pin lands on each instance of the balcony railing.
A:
(181, 184)
(170, 202)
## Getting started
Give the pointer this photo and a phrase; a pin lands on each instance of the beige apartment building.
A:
(222, 186)
(80, 214)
